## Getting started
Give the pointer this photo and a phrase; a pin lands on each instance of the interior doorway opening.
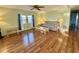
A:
(74, 20)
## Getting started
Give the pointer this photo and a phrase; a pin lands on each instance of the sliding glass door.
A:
(25, 22)
(30, 21)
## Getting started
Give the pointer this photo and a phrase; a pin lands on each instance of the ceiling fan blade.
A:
(32, 8)
(38, 9)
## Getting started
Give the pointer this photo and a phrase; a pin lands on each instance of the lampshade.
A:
(61, 21)
(1, 18)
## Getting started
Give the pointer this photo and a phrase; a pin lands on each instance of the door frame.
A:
(19, 22)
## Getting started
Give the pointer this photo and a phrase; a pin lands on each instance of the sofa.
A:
(52, 25)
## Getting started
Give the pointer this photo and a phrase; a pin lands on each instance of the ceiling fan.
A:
(37, 7)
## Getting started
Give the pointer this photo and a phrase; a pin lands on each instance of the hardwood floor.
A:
(36, 42)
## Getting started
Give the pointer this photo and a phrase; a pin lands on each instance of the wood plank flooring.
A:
(33, 41)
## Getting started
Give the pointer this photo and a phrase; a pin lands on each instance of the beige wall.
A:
(10, 16)
(52, 16)
(40, 18)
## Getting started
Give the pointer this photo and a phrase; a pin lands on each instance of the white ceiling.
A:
(47, 7)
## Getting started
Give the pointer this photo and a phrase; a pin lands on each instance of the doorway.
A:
(74, 20)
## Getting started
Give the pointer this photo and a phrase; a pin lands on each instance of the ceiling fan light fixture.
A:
(37, 7)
